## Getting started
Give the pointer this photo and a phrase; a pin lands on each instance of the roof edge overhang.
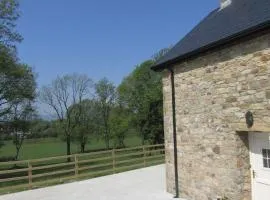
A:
(248, 32)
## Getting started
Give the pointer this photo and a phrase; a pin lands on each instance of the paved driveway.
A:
(142, 184)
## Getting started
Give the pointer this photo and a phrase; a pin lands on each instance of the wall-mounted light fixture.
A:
(249, 119)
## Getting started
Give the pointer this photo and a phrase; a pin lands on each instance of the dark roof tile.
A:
(240, 16)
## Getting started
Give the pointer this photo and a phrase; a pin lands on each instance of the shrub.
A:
(7, 158)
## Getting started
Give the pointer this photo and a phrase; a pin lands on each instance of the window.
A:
(266, 158)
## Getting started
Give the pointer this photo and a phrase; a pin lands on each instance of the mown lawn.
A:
(58, 170)
(34, 149)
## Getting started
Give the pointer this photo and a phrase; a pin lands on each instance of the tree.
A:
(119, 124)
(141, 93)
(17, 92)
(157, 56)
(137, 91)
(12, 73)
(20, 118)
(9, 14)
(105, 94)
(17, 80)
(16, 85)
(41, 128)
(60, 95)
(87, 117)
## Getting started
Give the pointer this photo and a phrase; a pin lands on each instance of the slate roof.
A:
(239, 19)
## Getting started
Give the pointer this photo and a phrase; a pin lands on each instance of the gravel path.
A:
(142, 184)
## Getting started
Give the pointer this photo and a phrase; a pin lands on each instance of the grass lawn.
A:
(34, 149)
(58, 171)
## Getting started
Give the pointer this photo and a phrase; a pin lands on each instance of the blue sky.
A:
(101, 38)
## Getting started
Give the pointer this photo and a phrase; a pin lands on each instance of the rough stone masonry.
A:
(213, 93)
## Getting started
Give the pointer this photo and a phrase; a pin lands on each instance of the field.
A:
(41, 148)
(43, 162)
(31, 174)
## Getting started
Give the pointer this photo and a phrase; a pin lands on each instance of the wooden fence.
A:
(29, 174)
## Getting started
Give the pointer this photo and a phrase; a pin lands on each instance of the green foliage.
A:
(43, 129)
(141, 92)
(17, 91)
(17, 81)
(113, 114)
(87, 118)
(9, 14)
(119, 125)
(19, 119)
(106, 96)
(65, 96)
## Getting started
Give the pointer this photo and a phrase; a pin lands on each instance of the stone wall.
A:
(213, 93)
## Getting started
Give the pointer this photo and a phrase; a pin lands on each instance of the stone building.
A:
(216, 84)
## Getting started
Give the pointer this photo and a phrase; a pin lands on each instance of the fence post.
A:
(113, 159)
(76, 165)
(30, 175)
(144, 157)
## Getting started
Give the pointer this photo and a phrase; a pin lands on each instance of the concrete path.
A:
(143, 184)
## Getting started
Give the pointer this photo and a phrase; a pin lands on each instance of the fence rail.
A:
(29, 174)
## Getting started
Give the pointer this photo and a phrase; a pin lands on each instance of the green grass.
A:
(44, 148)
(41, 148)
(125, 160)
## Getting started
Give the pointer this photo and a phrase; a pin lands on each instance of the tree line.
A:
(83, 108)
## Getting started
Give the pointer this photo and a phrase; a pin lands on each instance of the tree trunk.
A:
(107, 141)
(18, 143)
(122, 144)
(142, 138)
(17, 153)
(106, 136)
(68, 148)
(142, 134)
(82, 147)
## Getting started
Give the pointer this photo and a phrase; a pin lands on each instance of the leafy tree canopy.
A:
(17, 80)
(141, 93)
(9, 14)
